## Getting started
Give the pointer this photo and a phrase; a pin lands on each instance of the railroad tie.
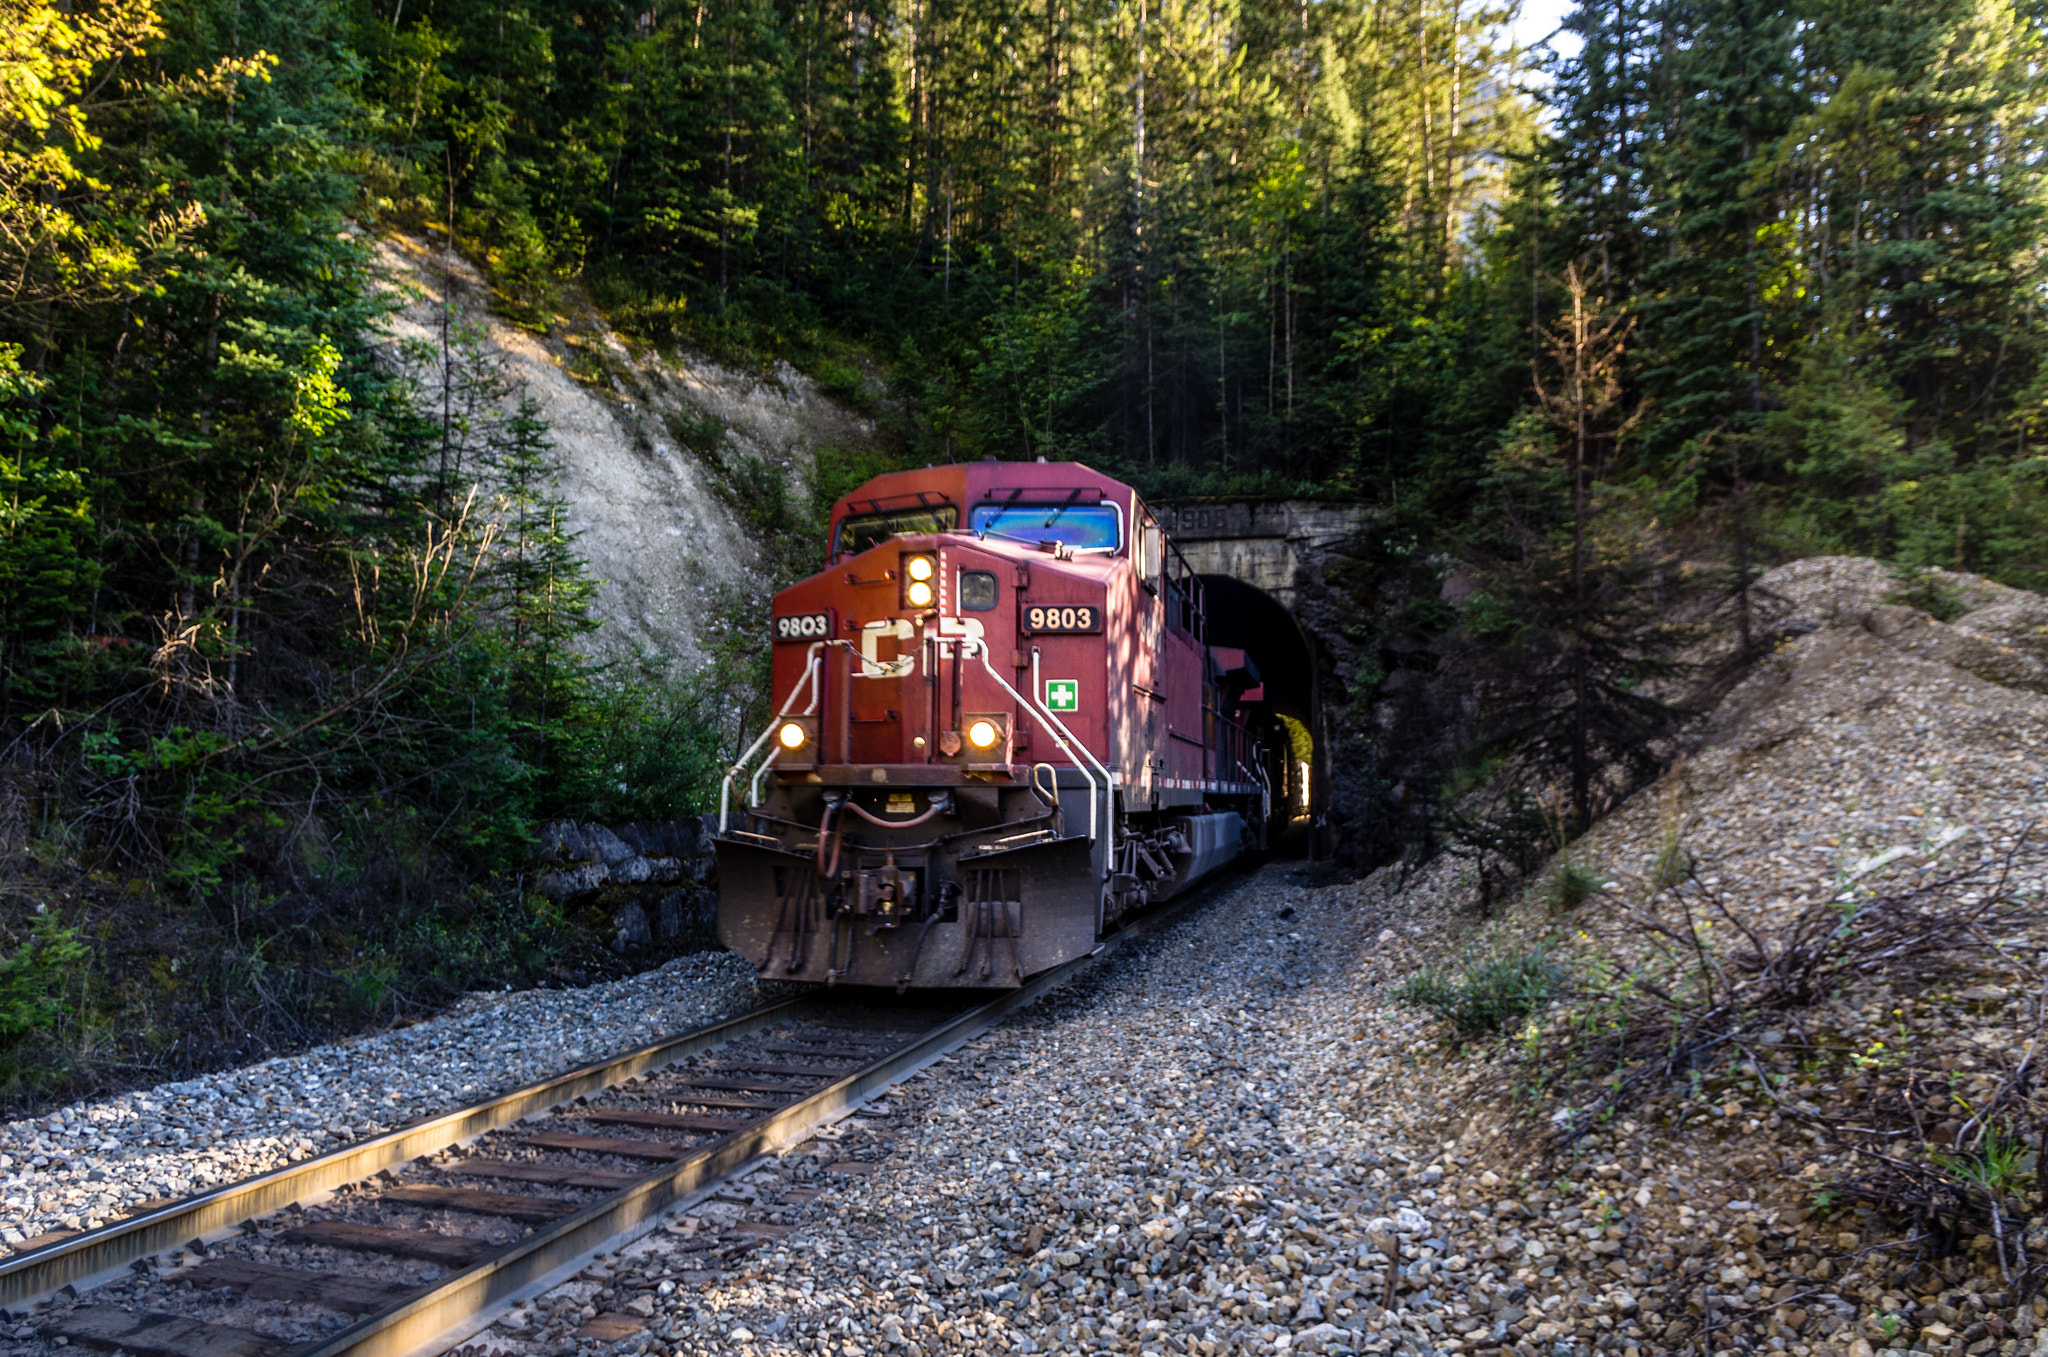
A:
(803, 1071)
(509, 1205)
(554, 1175)
(707, 1099)
(671, 1121)
(619, 1145)
(154, 1335)
(449, 1250)
(745, 1085)
(839, 1049)
(266, 1281)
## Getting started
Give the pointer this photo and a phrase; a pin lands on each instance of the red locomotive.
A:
(999, 730)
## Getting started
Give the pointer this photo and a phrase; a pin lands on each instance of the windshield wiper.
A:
(1053, 517)
(1001, 509)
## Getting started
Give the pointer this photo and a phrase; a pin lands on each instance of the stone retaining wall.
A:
(656, 878)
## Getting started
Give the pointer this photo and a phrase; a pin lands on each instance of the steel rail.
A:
(101, 1255)
(447, 1314)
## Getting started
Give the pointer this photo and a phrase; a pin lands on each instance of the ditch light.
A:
(796, 742)
(919, 573)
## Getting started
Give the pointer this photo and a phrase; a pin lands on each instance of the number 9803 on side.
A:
(1062, 617)
(803, 627)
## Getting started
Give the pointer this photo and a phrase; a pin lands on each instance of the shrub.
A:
(1571, 885)
(1928, 592)
(1489, 994)
(1674, 860)
(32, 978)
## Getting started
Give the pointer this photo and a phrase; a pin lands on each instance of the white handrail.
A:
(1108, 778)
(1052, 728)
(810, 679)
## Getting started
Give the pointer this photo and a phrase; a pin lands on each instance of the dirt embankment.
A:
(1759, 1059)
(642, 438)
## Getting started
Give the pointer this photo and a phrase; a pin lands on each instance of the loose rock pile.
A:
(1224, 1144)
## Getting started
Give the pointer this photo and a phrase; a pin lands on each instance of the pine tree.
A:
(543, 586)
(1575, 640)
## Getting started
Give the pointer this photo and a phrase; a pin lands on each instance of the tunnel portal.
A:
(1243, 617)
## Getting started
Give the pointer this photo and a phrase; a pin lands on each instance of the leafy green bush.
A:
(649, 743)
(1489, 994)
(32, 978)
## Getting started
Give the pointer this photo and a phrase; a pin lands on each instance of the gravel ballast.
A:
(1172, 1155)
(90, 1162)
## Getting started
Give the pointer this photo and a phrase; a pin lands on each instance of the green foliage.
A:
(1489, 993)
(45, 542)
(1999, 1165)
(34, 977)
(1572, 883)
(1928, 592)
(650, 742)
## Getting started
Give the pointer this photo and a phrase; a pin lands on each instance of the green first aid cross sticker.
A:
(1062, 695)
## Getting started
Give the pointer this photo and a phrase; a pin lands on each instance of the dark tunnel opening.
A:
(1247, 618)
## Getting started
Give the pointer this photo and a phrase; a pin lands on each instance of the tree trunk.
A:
(1582, 772)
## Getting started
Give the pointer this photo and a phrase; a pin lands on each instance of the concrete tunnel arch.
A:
(1246, 617)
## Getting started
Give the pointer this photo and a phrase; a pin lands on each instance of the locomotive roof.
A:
(964, 483)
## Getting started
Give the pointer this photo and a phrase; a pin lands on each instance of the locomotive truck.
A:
(998, 731)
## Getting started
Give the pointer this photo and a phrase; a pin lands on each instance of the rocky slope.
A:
(631, 427)
(1801, 1185)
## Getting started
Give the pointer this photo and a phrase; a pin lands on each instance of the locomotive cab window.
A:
(977, 591)
(1083, 527)
(858, 532)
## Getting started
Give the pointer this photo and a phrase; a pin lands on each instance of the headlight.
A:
(919, 593)
(918, 567)
(792, 735)
(983, 734)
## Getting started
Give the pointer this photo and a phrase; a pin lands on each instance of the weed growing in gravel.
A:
(1489, 994)
(1571, 885)
(1674, 860)
(1999, 1165)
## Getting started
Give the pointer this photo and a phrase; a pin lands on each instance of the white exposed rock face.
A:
(654, 527)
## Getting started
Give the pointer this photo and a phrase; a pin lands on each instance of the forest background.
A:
(292, 655)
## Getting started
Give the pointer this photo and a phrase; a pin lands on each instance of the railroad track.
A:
(407, 1244)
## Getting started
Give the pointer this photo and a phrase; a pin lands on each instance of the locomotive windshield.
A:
(1084, 527)
(858, 532)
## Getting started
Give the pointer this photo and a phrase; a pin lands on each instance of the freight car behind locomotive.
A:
(999, 730)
